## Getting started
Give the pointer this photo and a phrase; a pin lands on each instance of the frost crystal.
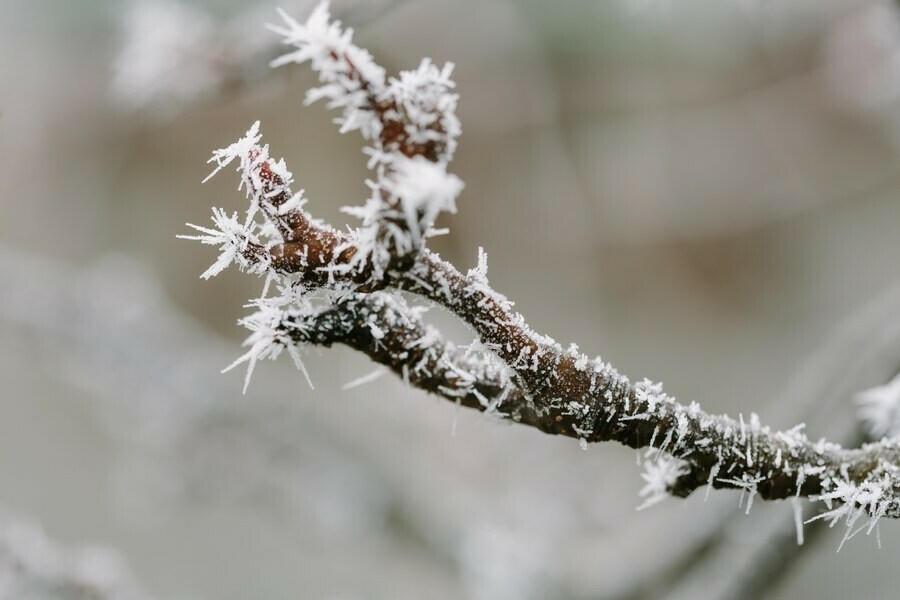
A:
(748, 485)
(232, 237)
(869, 499)
(341, 287)
(267, 339)
(423, 95)
(349, 75)
(797, 508)
(659, 475)
(423, 190)
(411, 123)
(243, 149)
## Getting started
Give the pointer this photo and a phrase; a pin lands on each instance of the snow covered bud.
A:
(237, 243)
(413, 114)
(422, 190)
(406, 199)
(427, 112)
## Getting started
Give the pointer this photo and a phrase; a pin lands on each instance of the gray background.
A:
(705, 193)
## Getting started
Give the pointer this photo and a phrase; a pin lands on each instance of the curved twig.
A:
(537, 382)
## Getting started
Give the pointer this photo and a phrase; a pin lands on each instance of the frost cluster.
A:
(411, 126)
(348, 73)
(869, 501)
(659, 475)
(410, 122)
(414, 110)
(233, 239)
(324, 286)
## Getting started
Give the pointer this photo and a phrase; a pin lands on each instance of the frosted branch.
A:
(410, 121)
(338, 287)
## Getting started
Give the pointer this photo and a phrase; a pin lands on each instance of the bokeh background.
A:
(705, 193)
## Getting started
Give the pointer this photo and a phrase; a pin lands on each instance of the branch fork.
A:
(341, 287)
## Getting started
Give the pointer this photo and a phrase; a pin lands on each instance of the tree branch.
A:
(589, 400)
(335, 287)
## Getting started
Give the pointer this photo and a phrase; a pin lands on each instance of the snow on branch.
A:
(350, 78)
(413, 114)
(337, 287)
(410, 121)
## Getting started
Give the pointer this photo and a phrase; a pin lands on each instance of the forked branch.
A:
(336, 287)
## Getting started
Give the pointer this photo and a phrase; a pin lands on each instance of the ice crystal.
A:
(243, 150)
(332, 286)
(423, 95)
(349, 75)
(797, 508)
(748, 486)
(423, 190)
(267, 339)
(868, 500)
(659, 475)
(232, 237)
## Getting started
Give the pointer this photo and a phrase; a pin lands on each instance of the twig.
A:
(732, 564)
(327, 282)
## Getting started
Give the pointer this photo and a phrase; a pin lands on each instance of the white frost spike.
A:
(368, 378)
(748, 485)
(423, 189)
(660, 475)
(480, 271)
(424, 96)
(330, 50)
(239, 149)
(798, 518)
(867, 499)
(231, 235)
(879, 409)
(295, 203)
(266, 340)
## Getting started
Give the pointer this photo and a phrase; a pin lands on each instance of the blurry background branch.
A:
(174, 54)
(34, 566)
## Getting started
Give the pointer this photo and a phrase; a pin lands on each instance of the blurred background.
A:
(705, 193)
